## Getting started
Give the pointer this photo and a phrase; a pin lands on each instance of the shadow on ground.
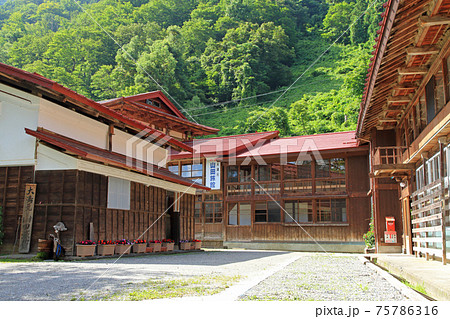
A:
(203, 258)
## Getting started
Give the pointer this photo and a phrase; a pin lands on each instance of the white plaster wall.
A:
(18, 110)
(63, 121)
(130, 145)
(50, 159)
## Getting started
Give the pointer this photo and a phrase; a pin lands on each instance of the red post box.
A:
(390, 223)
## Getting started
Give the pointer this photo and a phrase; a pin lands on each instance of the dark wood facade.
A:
(405, 115)
(350, 187)
(78, 199)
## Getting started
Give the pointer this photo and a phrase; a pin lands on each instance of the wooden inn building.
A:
(405, 120)
(97, 167)
(298, 193)
(112, 168)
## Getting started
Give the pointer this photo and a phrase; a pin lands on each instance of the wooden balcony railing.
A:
(390, 155)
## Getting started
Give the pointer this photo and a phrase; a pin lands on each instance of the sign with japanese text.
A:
(390, 237)
(27, 218)
(212, 174)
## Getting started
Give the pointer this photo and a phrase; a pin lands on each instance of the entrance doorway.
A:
(172, 219)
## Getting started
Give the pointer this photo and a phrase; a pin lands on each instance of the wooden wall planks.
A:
(78, 198)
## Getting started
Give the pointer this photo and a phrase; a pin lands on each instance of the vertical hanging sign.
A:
(27, 218)
(212, 174)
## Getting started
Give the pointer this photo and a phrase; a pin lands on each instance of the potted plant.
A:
(86, 248)
(139, 246)
(197, 244)
(155, 244)
(168, 243)
(185, 245)
(122, 246)
(106, 248)
(369, 239)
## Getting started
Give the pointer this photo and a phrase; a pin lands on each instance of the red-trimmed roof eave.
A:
(50, 84)
(114, 158)
(382, 38)
(262, 136)
(159, 95)
(170, 116)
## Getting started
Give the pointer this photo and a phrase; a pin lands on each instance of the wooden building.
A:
(95, 168)
(299, 193)
(405, 119)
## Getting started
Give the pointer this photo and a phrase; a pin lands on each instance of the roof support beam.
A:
(422, 50)
(399, 99)
(412, 70)
(432, 21)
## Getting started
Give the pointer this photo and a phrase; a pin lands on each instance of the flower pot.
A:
(169, 246)
(85, 250)
(139, 248)
(122, 249)
(149, 249)
(197, 245)
(106, 250)
(368, 250)
(192, 246)
(156, 246)
(185, 246)
(163, 249)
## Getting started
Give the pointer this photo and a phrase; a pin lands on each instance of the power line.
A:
(135, 62)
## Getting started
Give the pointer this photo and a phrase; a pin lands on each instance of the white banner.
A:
(212, 174)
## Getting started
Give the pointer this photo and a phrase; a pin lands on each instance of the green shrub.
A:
(369, 237)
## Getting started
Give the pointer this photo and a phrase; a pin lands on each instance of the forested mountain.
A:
(225, 63)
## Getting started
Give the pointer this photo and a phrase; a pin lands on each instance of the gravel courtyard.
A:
(261, 275)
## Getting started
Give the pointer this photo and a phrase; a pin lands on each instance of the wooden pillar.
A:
(442, 209)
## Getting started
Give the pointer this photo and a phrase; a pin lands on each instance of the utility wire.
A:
(135, 62)
(317, 60)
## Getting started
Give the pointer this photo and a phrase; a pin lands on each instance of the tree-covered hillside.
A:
(225, 63)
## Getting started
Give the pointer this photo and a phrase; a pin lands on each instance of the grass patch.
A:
(417, 287)
(175, 288)
(18, 260)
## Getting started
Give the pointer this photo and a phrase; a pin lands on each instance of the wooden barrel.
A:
(45, 245)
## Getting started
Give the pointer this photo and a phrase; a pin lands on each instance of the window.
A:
(298, 211)
(419, 178)
(239, 214)
(433, 169)
(298, 170)
(421, 114)
(245, 174)
(174, 169)
(334, 168)
(213, 209)
(429, 91)
(332, 210)
(270, 172)
(119, 191)
(193, 172)
(439, 91)
(267, 212)
(241, 175)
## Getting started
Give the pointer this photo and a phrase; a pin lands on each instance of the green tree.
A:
(275, 119)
